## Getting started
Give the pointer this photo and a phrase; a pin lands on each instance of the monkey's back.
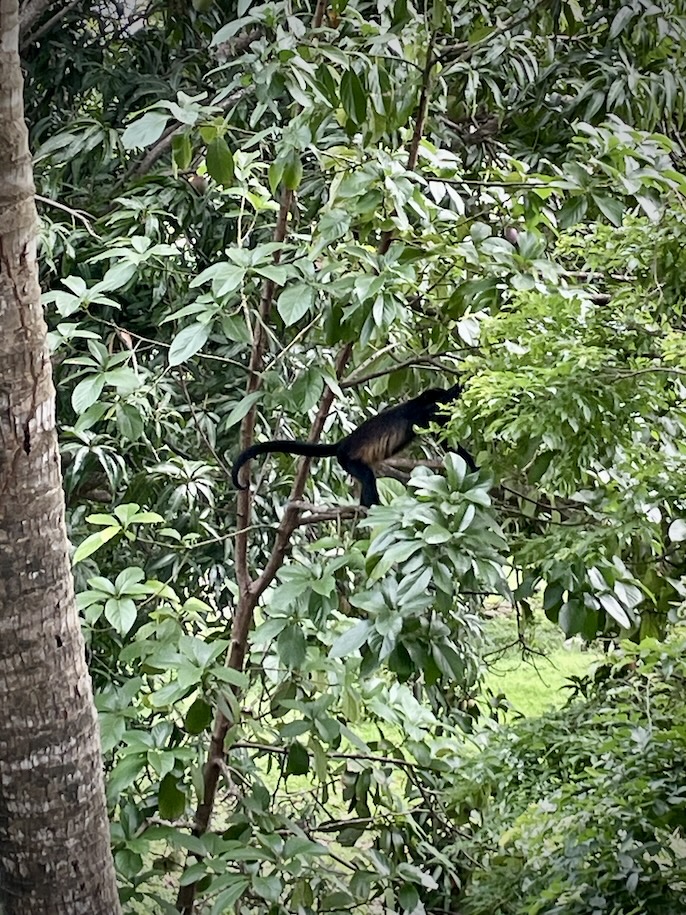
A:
(380, 437)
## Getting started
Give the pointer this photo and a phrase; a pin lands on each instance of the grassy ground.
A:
(534, 684)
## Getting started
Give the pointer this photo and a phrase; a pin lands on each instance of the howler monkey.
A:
(374, 441)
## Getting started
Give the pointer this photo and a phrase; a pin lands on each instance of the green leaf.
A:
(408, 897)
(145, 130)
(333, 224)
(198, 717)
(353, 97)
(93, 543)
(613, 608)
(121, 614)
(130, 422)
(292, 171)
(297, 760)
(219, 161)
(182, 151)
(610, 207)
(351, 640)
(224, 902)
(87, 392)
(242, 408)
(624, 16)
(188, 342)
(572, 212)
(292, 646)
(294, 302)
(275, 175)
(572, 617)
(171, 800)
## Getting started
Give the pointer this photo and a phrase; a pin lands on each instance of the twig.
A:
(28, 39)
(84, 217)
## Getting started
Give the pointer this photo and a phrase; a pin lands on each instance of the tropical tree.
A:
(54, 835)
(268, 221)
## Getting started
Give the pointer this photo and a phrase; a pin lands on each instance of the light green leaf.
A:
(87, 392)
(294, 302)
(145, 130)
(242, 408)
(188, 342)
(350, 640)
(121, 614)
(94, 542)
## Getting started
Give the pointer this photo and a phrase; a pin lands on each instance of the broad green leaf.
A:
(572, 212)
(292, 647)
(121, 614)
(92, 543)
(87, 392)
(292, 171)
(145, 130)
(613, 608)
(353, 97)
(572, 617)
(188, 342)
(182, 151)
(242, 408)
(198, 717)
(220, 162)
(171, 799)
(610, 207)
(351, 640)
(295, 301)
(130, 422)
(225, 900)
(297, 760)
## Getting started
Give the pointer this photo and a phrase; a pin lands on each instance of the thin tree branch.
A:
(81, 215)
(31, 38)
(243, 616)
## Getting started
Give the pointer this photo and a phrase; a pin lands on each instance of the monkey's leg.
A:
(364, 473)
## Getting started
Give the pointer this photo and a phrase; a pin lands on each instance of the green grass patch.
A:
(534, 683)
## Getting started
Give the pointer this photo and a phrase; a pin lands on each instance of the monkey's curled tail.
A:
(280, 446)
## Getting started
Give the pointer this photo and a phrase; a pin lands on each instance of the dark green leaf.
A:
(171, 800)
(220, 162)
(297, 760)
(353, 97)
(198, 717)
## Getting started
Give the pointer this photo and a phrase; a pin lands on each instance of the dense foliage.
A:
(583, 810)
(251, 210)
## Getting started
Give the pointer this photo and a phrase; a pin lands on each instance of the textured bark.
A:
(54, 836)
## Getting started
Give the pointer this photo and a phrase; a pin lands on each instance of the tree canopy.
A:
(270, 221)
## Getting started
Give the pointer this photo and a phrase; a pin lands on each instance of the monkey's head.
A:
(440, 396)
(434, 398)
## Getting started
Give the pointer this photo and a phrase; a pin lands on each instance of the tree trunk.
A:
(54, 838)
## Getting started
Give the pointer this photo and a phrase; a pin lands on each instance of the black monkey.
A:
(374, 441)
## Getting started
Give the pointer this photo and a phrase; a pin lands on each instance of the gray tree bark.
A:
(55, 856)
